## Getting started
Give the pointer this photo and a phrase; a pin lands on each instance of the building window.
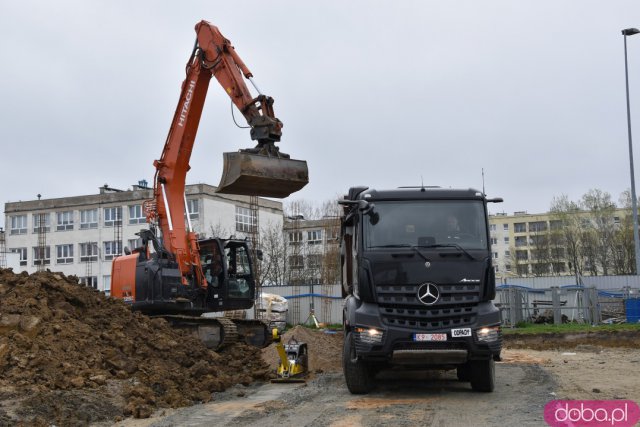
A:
(314, 237)
(296, 262)
(494, 241)
(522, 269)
(492, 227)
(88, 219)
(555, 224)
(616, 220)
(505, 227)
(522, 255)
(64, 254)
(106, 285)
(42, 255)
(495, 255)
(538, 226)
(112, 216)
(520, 241)
(134, 243)
(19, 224)
(193, 208)
(559, 267)
(88, 252)
(136, 215)
(507, 267)
(539, 240)
(495, 268)
(65, 221)
(23, 255)
(506, 240)
(314, 261)
(507, 254)
(91, 281)
(333, 233)
(295, 237)
(520, 227)
(41, 219)
(245, 219)
(112, 249)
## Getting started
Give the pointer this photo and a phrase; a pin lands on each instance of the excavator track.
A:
(254, 332)
(219, 332)
(215, 332)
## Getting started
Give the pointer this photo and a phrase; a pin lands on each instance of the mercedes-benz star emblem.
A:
(428, 293)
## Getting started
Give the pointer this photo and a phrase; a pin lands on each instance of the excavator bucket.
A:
(264, 176)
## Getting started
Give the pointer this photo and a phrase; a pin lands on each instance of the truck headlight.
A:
(488, 334)
(369, 335)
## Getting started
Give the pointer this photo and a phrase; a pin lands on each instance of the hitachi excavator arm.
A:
(259, 171)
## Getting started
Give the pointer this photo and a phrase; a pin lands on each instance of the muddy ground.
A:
(526, 380)
(69, 356)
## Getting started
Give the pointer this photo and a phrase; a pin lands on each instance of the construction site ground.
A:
(70, 356)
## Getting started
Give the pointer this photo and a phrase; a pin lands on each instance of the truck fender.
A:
(349, 308)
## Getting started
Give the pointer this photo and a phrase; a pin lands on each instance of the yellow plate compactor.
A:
(294, 360)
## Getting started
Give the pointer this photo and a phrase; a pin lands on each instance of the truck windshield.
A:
(426, 223)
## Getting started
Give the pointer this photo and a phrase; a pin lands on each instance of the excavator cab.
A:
(227, 267)
(261, 175)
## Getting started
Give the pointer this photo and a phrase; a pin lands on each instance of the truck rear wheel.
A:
(483, 375)
(357, 374)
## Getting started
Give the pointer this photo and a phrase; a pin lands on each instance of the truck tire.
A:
(357, 374)
(483, 375)
(463, 372)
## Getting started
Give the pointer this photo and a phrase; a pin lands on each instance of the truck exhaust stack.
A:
(259, 175)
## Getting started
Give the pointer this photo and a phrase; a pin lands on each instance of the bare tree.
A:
(219, 231)
(567, 212)
(274, 255)
(623, 249)
(600, 228)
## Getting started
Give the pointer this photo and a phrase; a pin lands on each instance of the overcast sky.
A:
(374, 93)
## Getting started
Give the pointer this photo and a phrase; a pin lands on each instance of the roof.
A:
(416, 193)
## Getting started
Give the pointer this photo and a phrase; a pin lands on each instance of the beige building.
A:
(312, 248)
(81, 235)
(518, 240)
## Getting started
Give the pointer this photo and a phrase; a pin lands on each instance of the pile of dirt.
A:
(64, 347)
(325, 349)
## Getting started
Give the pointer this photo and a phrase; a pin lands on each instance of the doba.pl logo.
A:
(591, 413)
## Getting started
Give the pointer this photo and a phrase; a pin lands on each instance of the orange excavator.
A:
(173, 274)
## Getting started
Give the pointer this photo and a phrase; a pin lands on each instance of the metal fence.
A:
(562, 304)
(595, 300)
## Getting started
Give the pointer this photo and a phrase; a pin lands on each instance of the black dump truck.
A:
(418, 283)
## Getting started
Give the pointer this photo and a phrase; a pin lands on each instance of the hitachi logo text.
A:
(187, 101)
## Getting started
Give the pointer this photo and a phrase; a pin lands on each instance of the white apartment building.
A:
(312, 250)
(83, 233)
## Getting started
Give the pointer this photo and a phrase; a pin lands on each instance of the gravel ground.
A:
(525, 381)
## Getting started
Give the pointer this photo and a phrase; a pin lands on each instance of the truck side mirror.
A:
(367, 209)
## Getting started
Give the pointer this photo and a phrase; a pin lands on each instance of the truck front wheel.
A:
(482, 375)
(357, 374)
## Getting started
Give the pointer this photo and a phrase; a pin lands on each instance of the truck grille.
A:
(456, 307)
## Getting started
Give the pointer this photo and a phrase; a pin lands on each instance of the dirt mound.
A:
(64, 346)
(325, 349)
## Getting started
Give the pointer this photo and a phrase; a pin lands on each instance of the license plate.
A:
(430, 337)
(462, 332)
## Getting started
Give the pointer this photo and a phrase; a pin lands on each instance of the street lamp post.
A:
(634, 203)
